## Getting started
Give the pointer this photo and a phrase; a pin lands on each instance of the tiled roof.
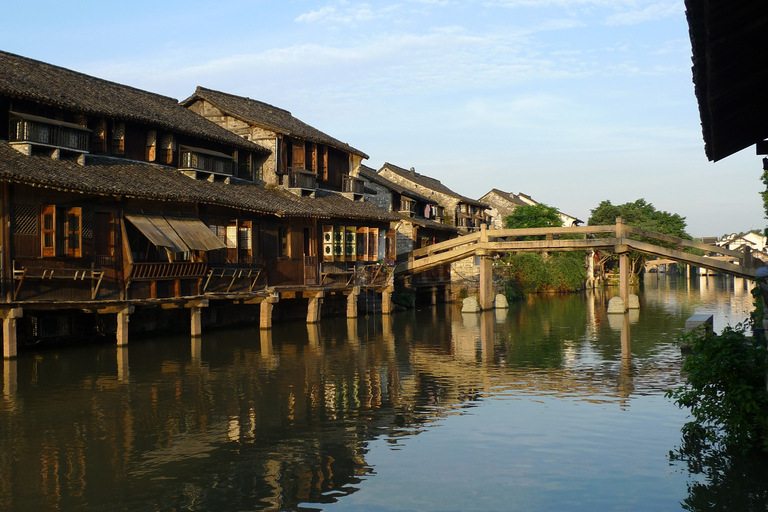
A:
(509, 196)
(267, 116)
(335, 205)
(371, 175)
(431, 183)
(59, 87)
(115, 176)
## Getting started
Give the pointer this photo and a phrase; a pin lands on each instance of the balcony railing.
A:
(204, 160)
(353, 185)
(301, 178)
(160, 271)
(49, 132)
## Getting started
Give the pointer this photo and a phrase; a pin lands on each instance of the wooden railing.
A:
(617, 238)
(301, 178)
(160, 271)
(352, 184)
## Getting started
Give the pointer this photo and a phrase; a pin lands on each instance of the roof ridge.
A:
(80, 74)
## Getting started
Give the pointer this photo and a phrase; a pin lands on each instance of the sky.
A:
(572, 102)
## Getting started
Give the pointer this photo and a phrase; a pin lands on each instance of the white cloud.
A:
(652, 12)
(345, 13)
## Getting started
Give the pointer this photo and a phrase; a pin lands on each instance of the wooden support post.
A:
(10, 344)
(123, 317)
(352, 302)
(314, 309)
(434, 295)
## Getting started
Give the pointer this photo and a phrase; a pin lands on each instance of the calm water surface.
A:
(552, 405)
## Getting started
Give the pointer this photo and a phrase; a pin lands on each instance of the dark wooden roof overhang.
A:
(729, 40)
(176, 234)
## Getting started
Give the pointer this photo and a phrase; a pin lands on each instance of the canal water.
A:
(552, 405)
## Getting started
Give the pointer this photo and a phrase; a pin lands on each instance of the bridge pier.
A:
(624, 279)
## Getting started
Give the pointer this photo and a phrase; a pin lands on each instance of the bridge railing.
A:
(618, 238)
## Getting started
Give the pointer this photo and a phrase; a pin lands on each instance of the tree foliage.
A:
(725, 391)
(640, 214)
(533, 216)
(531, 272)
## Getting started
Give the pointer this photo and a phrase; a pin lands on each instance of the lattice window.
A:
(87, 223)
(25, 219)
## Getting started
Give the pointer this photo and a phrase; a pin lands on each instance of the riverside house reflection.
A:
(272, 419)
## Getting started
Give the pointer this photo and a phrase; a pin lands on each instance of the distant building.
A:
(503, 204)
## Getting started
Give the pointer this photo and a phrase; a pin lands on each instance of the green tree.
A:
(533, 216)
(640, 214)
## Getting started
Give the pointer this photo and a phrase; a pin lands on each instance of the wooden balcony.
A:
(301, 178)
(352, 185)
(35, 130)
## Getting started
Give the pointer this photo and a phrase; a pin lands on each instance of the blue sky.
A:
(569, 101)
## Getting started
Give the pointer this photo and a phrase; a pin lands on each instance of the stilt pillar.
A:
(10, 344)
(196, 316)
(196, 321)
(434, 295)
(352, 302)
(486, 280)
(624, 278)
(123, 317)
(265, 313)
(387, 307)
(314, 309)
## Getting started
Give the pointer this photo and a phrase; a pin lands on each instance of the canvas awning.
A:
(176, 234)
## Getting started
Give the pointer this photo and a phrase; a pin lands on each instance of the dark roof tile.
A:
(267, 116)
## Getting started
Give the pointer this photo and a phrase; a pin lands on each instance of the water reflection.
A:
(285, 418)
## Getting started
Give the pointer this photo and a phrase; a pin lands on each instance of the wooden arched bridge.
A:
(618, 238)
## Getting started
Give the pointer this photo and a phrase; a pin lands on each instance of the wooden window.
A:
(245, 242)
(350, 243)
(362, 244)
(298, 160)
(118, 138)
(373, 244)
(327, 243)
(391, 251)
(283, 235)
(74, 232)
(338, 243)
(48, 231)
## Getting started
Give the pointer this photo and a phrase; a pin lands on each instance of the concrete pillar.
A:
(387, 307)
(265, 314)
(314, 309)
(10, 343)
(123, 318)
(196, 321)
(352, 302)
(624, 278)
(486, 280)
